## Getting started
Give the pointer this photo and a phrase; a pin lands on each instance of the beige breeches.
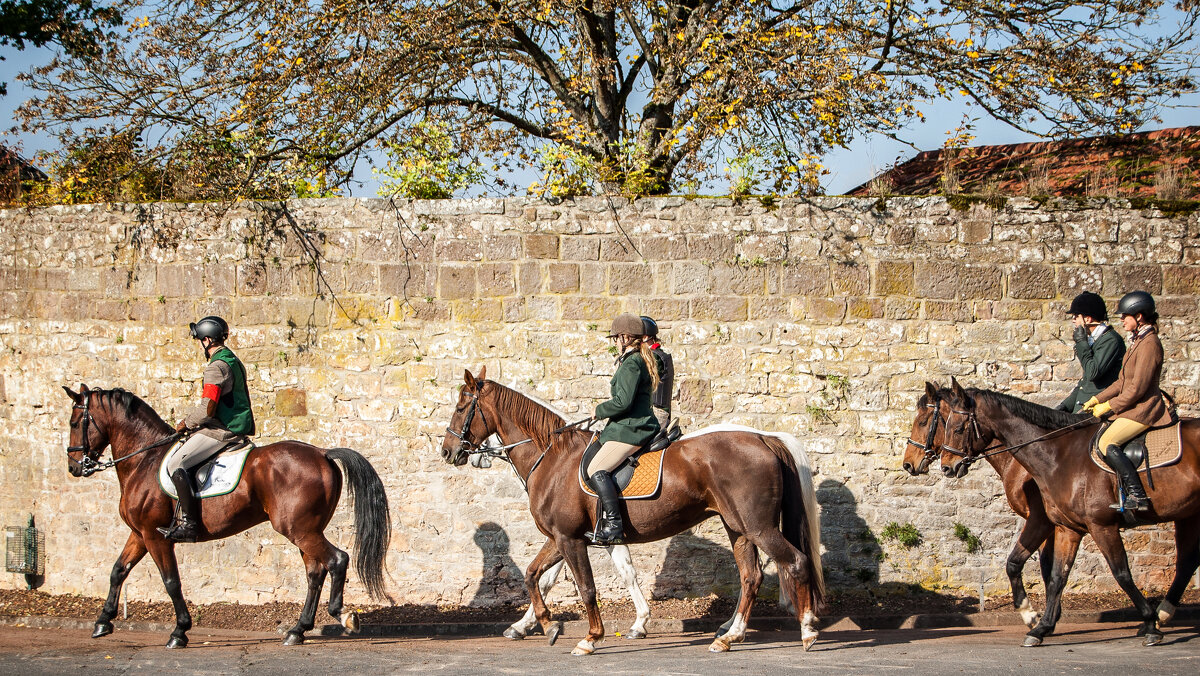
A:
(198, 448)
(610, 455)
(1120, 432)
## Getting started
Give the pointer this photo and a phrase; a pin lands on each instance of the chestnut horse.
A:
(1019, 488)
(754, 481)
(1053, 447)
(294, 485)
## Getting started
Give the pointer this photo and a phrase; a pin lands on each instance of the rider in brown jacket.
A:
(1134, 397)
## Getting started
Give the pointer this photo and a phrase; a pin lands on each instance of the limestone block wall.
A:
(819, 317)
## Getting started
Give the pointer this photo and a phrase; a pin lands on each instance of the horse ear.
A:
(959, 392)
(469, 379)
(73, 395)
(483, 372)
(930, 391)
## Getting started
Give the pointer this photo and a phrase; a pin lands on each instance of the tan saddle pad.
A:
(1164, 446)
(647, 476)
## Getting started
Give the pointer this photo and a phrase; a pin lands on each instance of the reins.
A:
(973, 422)
(88, 463)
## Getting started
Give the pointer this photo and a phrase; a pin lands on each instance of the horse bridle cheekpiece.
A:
(465, 445)
(87, 462)
(927, 447)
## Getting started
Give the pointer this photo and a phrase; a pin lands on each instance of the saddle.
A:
(640, 475)
(218, 475)
(1156, 447)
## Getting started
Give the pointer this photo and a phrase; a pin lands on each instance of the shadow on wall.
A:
(852, 552)
(696, 567)
(501, 581)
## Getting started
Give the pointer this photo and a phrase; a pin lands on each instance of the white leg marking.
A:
(1166, 610)
(736, 634)
(623, 562)
(523, 626)
(1028, 615)
(584, 647)
(808, 629)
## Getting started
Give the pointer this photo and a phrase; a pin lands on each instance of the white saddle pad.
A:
(223, 478)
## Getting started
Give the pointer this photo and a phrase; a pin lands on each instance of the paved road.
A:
(1080, 648)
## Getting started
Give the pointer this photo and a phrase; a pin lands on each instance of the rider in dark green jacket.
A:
(1098, 347)
(631, 422)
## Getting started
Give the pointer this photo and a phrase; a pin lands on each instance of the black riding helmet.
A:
(1135, 302)
(650, 326)
(211, 326)
(1089, 304)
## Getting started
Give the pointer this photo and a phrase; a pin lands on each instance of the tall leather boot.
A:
(1135, 494)
(186, 520)
(610, 530)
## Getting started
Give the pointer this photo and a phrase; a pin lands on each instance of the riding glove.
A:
(1102, 409)
(1090, 404)
(1080, 334)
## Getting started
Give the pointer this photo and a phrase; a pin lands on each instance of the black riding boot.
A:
(185, 526)
(609, 528)
(1135, 494)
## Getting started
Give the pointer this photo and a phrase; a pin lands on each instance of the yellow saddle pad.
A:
(1164, 446)
(647, 476)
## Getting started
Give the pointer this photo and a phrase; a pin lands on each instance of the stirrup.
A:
(179, 531)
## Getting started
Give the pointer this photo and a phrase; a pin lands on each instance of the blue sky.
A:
(848, 167)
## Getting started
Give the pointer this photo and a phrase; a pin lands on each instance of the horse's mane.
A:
(1035, 414)
(538, 419)
(136, 410)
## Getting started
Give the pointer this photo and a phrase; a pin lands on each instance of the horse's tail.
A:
(372, 522)
(801, 515)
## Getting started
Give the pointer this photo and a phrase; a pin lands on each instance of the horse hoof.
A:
(584, 647)
(513, 634)
(350, 623)
(1032, 641)
(635, 634)
(719, 646)
(553, 632)
(177, 642)
(102, 629)
(293, 638)
(1152, 639)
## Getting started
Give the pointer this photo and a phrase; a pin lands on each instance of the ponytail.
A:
(651, 363)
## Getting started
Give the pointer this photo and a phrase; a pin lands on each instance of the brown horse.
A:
(294, 485)
(1019, 488)
(754, 481)
(1054, 449)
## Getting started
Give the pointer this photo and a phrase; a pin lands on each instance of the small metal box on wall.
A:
(25, 552)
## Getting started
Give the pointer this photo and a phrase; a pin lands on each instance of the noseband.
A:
(465, 444)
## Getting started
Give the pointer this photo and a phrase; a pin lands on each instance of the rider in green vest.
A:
(223, 416)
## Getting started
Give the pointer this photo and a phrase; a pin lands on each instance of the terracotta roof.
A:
(1163, 163)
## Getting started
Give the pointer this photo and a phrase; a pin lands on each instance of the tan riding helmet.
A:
(627, 324)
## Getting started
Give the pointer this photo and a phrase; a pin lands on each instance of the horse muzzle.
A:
(956, 471)
(922, 468)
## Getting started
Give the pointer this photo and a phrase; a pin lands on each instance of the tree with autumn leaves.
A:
(636, 97)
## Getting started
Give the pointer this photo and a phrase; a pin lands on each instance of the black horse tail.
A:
(372, 522)
(801, 521)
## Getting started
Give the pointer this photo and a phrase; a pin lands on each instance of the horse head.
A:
(962, 435)
(88, 438)
(919, 454)
(468, 427)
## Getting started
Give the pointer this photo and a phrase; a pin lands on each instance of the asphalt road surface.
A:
(1077, 649)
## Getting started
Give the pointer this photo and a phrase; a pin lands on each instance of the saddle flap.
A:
(218, 475)
(1154, 448)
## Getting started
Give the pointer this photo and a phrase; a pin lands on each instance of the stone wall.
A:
(357, 317)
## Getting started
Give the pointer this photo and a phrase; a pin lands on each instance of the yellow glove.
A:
(1101, 410)
(1090, 404)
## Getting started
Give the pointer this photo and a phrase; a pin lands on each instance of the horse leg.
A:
(1034, 534)
(623, 562)
(1187, 559)
(545, 581)
(337, 562)
(546, 557)
(575, 552)
(133, 552)
(1108, 541)
(1046, 563)
(746, 556)
(316, 579)
(793, 579)
(163, 553)
(1066, 546)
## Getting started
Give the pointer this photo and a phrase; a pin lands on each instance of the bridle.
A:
(970, 428)
(483, 452)
(89, 463)
(928, 447)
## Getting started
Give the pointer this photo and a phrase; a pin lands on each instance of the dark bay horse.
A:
(1019, 488)
(754, 481)
(294, 485)
(1054, 449)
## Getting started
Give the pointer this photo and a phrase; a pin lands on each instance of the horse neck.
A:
(515, 421)
(129, 434)
(1040, 458)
